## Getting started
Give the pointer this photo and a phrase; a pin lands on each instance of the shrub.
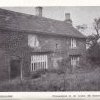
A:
(38, 73)
(35, 75)
(57, 71)
(64, 65)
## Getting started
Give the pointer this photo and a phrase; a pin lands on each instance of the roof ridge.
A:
(22, 13)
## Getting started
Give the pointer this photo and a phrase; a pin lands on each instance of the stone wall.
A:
(16, 44)
(61, 47)
(12, 45)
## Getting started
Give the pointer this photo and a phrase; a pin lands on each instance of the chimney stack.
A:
(39, 11)
(67, 18)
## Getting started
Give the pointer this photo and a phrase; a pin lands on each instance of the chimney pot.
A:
(39, 11)
(67, 18)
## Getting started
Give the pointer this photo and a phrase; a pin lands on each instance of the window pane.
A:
(74, 61)
(38, 62)
(73, 43)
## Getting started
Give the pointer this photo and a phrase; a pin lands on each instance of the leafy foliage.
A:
(38, 73)
(92, 41)
(55, 82)
(64, 65)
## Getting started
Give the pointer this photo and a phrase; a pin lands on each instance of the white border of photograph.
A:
(49, 95)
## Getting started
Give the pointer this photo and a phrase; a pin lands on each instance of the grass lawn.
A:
(82, 81)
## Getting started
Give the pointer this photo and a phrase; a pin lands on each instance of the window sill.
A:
(73, 48)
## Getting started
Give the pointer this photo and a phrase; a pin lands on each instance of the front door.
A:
(14, 68)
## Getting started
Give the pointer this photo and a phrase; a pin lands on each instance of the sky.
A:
(79, 14)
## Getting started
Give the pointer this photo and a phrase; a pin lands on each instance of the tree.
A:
(92, 41)
(82, 27)
(93, 52)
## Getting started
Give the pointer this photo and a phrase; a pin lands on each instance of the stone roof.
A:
(30, 23)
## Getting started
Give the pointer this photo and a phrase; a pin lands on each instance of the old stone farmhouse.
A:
(32, 42)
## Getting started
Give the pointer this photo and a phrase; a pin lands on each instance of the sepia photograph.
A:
(50, 49)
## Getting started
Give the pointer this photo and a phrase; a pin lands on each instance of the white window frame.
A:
(75, 61)
(73, 43)
(33, 41)
(39, 62)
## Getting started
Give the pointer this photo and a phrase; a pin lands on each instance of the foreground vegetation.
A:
(79, 81)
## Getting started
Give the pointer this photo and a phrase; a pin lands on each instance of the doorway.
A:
(15, 68)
